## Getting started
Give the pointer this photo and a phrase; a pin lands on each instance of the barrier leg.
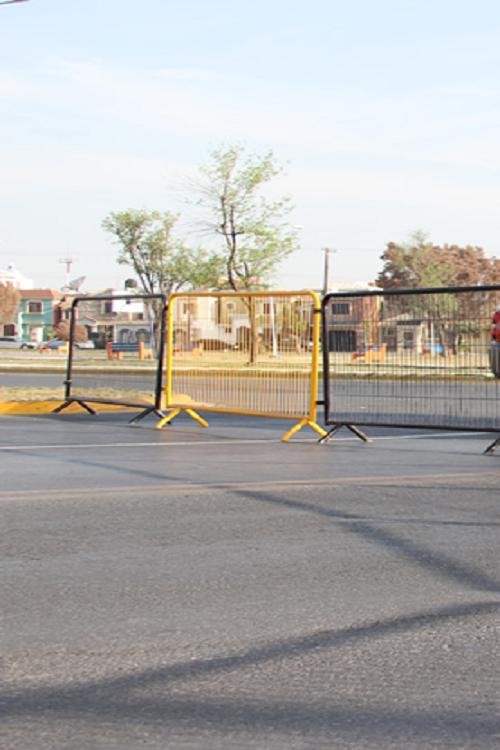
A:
(326, 437)
(177, 411)
(149, 410)
(491, 448)
(197, 417)
(357, 432)
(299, 426)
(318, 429)
(167, 419)
(74, 401)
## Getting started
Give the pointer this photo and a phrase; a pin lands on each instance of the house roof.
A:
(40, 294)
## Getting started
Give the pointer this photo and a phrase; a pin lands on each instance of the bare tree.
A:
(10, 297)
(80, 335)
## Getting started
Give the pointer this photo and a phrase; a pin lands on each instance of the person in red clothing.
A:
(495, 333)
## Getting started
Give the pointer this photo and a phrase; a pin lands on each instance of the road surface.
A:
(218, 589)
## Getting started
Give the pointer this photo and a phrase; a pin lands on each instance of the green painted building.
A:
(37, 314)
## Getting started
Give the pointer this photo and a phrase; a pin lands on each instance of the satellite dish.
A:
(76, 283)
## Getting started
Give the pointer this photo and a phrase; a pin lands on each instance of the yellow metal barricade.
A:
(251, 353)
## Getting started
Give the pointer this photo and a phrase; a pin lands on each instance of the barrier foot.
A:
(175, 412)
(492, 448)
(197, 417)
(74, 401)
(149, 410)
(326, 437)
(167, 419)
(299, 426)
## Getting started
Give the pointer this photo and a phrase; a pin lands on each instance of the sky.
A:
(386, 115)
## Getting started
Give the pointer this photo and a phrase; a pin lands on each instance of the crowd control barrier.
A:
(123, 365)
(249, 353)
(411, 358)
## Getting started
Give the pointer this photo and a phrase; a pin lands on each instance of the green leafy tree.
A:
(420, 264)
(255, 235)
(162, 263)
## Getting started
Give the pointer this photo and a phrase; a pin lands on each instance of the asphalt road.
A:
(217, 589)
(33, 380)
(458, 404)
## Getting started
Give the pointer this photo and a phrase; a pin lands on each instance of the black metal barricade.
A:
(122, 363)
(411, 358)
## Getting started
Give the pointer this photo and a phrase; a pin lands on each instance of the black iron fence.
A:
(122, 361)
(411, 358)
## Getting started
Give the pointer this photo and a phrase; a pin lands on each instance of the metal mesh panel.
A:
(123, 367)
(412, 358)
(96, 379)
(252, 353)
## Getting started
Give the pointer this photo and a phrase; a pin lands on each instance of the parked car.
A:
(56, 343)
(14, 342)
(53, 344)
(84, 345)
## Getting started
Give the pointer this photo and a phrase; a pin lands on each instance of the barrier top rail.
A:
(403, 292)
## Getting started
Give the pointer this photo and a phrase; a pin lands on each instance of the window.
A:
(35, 307)
(342, 341)
(408, 340)
(340, 308)
(108, 307)
(188, 308)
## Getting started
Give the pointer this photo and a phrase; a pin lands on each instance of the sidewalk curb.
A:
(46, 407)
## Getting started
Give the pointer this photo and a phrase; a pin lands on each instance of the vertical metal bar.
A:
(313, 397)
(69, 369)
(326, 360)
(160, 354)
(170, 350)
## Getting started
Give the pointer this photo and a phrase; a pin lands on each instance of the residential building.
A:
(37, 314)
(352, 322)
(15, 277)
(110, 319)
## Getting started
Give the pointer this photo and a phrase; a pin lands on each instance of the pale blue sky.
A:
(387, 113)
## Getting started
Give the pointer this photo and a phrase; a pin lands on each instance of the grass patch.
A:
(15, 393)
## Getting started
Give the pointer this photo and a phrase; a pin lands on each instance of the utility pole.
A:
(326, 277)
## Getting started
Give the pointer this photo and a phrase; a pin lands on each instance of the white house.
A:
(16, 278)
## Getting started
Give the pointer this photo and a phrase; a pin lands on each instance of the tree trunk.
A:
(254, 332)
